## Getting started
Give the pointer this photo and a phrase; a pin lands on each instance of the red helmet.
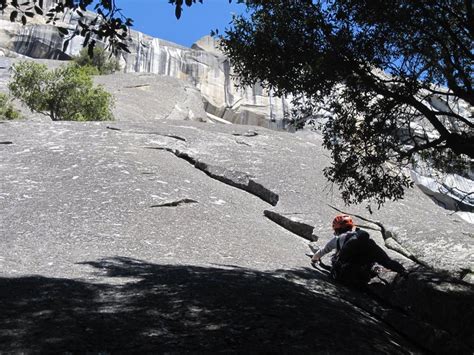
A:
(342, 221)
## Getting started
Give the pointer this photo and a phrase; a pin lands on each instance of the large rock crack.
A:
(233, 178)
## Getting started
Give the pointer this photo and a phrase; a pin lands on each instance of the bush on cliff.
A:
(7, 111)
(66, 93)
(101, 59)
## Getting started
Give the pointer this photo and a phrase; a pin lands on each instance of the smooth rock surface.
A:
(150, 230)
(148, 97)
(137, 97)
(290, 167)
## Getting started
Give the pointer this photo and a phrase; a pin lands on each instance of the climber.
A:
(357, 258)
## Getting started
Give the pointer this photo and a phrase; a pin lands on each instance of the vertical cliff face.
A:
(36, 41)
(210, 71)
(203, 65)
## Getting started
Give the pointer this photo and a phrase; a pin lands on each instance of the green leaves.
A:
(7, 111)
(99, 58)
(66, 93)
(366, 70)
(27, 84)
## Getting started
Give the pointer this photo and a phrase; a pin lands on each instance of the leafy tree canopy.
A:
(395, 77)
(66, 93)
(101, 59)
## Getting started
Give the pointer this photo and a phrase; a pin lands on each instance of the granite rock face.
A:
(154, 226)
(142, 97)
(210, 71)
(204, 67)
(36, 41)
(181, 222)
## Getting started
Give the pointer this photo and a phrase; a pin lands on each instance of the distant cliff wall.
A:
(203, 65)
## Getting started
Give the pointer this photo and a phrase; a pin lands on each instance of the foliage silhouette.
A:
(393, 82)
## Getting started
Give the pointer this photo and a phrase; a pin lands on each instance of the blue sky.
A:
(156, 18)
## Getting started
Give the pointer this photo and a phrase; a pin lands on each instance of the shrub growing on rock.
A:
(7, 111)
(101, 59)
(66, 93)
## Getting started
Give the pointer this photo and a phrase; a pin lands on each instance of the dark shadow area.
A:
(431, 307)
(435, 297)
(173, 308)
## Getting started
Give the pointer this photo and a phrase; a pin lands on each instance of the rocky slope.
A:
(157, 232)
(119, 220)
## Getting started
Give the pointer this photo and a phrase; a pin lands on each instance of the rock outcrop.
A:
(147, 97)
(211, 72)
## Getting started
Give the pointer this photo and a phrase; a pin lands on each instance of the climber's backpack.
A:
(345, 265)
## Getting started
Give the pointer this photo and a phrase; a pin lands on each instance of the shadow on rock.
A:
(172, 308)
(434, 297)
